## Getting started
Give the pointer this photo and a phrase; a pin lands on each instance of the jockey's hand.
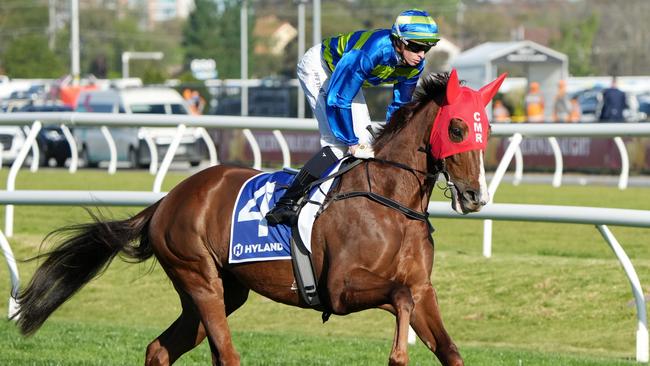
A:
(362, 151)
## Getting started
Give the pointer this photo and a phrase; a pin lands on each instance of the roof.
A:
(274, 33)
(490, 51)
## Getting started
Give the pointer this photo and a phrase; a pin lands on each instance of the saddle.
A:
(309, 210)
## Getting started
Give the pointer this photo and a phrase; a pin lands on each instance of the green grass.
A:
(114, 345)
(552, 294)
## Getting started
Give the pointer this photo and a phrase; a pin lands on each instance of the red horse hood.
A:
(468, 105)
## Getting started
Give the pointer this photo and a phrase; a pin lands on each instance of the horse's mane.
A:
(432, 88)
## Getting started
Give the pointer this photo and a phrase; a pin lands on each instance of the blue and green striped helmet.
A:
(416, 25)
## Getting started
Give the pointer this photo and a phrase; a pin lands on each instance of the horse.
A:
(365, 254)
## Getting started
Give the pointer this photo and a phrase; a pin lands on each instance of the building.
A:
(156, 11)
(483, 63)
(274, 33)
(164, 10)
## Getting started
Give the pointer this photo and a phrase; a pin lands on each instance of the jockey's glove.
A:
(362, 151)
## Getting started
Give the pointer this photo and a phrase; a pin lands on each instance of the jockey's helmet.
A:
(417, 26)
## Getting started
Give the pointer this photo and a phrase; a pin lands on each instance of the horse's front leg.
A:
(361, 289)
(427, 323)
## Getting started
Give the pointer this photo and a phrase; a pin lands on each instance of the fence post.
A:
(625, 163)
(13, 172)
(557, 176)
(515, 140)
(642, 352)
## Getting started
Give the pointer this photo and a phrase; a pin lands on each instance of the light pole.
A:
(51, 29)
(301, 51)
(317, 33)
(243, 44)
(127, 56)
(460, 20)
(74, 42)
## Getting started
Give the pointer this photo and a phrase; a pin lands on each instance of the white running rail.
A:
(601, 217)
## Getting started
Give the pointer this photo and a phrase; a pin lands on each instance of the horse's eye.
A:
(457, 130)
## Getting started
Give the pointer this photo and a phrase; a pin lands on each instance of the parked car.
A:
(591, 104)
(17, 100)
(51, 140)
(644, 106)
(129, 141)
(12, 139)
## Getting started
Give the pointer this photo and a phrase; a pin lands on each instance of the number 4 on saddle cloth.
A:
(252, 239)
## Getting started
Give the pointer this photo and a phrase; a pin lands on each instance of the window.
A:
(178, 109)
(148, 108)
(95, 108)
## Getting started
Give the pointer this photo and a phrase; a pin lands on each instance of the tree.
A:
(20, 23)
(212, 32)
(104, 34)
(576, 41)
(201, 31)
(622, 42)
(29, 57)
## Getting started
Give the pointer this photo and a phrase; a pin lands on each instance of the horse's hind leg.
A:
(187, 331)
(363, 289)
(183, 335)
(204, 283)
(427, 323)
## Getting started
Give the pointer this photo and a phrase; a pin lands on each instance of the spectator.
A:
(187, 95)
(576, 111)
(194, 100)
(613, 104)
(500, 113)
(562, 104)
(534, 103)
(198, 103)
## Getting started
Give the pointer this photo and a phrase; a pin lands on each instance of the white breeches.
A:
(314, 78)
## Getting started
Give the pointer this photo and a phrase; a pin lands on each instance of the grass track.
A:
(552, 294)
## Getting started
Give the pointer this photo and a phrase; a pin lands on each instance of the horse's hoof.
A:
(398, 359)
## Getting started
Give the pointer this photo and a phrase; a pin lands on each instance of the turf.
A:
(552, 294)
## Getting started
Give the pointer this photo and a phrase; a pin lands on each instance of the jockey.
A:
(331, 75)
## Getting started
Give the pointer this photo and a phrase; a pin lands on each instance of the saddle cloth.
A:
(251, 238)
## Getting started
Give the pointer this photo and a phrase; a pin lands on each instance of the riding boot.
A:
(286, 208)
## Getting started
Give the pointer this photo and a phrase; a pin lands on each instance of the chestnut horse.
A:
(365, 254)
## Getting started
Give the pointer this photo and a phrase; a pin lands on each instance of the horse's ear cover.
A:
(467, 105)
(489, 91)
(453, 87)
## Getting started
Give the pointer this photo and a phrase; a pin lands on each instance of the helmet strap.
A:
(399, 34)
(396, 43)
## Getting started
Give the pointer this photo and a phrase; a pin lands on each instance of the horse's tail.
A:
(82, 252)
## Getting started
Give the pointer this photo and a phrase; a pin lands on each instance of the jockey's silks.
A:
(468, 105)
(363, 58)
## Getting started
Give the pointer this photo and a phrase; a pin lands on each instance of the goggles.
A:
(416, 47)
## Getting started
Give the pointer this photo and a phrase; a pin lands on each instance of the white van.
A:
(130, 145)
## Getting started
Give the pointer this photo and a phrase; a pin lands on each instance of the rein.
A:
(406, 211)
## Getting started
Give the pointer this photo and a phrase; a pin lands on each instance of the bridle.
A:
(429, 179)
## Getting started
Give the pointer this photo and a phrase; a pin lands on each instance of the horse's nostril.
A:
(472, 196)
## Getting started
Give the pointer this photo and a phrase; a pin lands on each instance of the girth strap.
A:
(412, 214)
